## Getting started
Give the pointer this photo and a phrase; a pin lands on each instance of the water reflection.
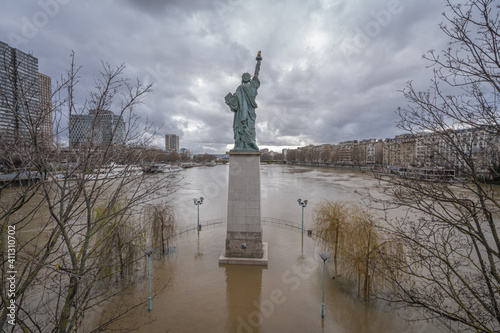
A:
(199, 253)
(244, 304)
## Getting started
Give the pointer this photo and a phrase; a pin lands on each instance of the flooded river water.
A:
(281, 186)
(203, 296)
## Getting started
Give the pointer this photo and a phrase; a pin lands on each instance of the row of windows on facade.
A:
(425, 150)
(25, 91)
(98, 127)
(172, 142)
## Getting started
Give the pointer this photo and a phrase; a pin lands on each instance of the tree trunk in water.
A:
(162, 237)
(359, 283)
(335, 252)
(367, 263)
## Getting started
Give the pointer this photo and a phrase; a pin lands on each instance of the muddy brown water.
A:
(203, 296)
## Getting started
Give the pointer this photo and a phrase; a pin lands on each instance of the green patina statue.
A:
(243, 104)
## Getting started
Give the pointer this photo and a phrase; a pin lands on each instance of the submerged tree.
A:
(66, 225)
(117, 239)
(450, 233)
(359, 247)
(330, 222)
(161, 223)
(360, 252)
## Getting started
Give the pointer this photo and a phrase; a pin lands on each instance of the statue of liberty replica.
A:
(244, 244)
(243, 104)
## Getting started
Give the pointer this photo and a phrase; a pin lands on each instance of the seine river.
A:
(202, 296)
(281, 186)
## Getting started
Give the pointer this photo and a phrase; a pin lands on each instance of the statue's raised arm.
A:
(257, 65)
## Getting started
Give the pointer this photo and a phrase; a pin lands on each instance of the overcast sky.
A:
(331, 69)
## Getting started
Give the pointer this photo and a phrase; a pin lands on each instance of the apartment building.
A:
(98, 127)
(450, 149)
(20, 90)
(400, 151)
(172, 143)
(343, 152)
(45, 110)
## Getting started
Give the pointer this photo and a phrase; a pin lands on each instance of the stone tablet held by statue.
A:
(243, 104)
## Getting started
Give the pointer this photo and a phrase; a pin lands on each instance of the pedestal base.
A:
(264, 261)
(244, 230)
(244, 244)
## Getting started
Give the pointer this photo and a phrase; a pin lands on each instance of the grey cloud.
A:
(160, 7)
(193, 51)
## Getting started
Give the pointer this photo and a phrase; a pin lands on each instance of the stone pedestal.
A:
(244, 230)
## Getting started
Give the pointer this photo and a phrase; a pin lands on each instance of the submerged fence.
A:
(223, 221)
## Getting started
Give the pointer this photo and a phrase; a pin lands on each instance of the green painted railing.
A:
(222, 222)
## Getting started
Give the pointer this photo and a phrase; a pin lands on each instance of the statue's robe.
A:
(243, 104)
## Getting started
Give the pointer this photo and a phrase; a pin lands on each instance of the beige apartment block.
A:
(400, 151)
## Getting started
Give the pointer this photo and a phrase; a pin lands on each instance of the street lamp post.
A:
(198, 202)
(303, 204)
(148, 253)
(323, 256)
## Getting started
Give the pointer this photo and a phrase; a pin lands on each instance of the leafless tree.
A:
(291, 155)
(204, 158)
(326, 153)
(74, 230)
(450, 230)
